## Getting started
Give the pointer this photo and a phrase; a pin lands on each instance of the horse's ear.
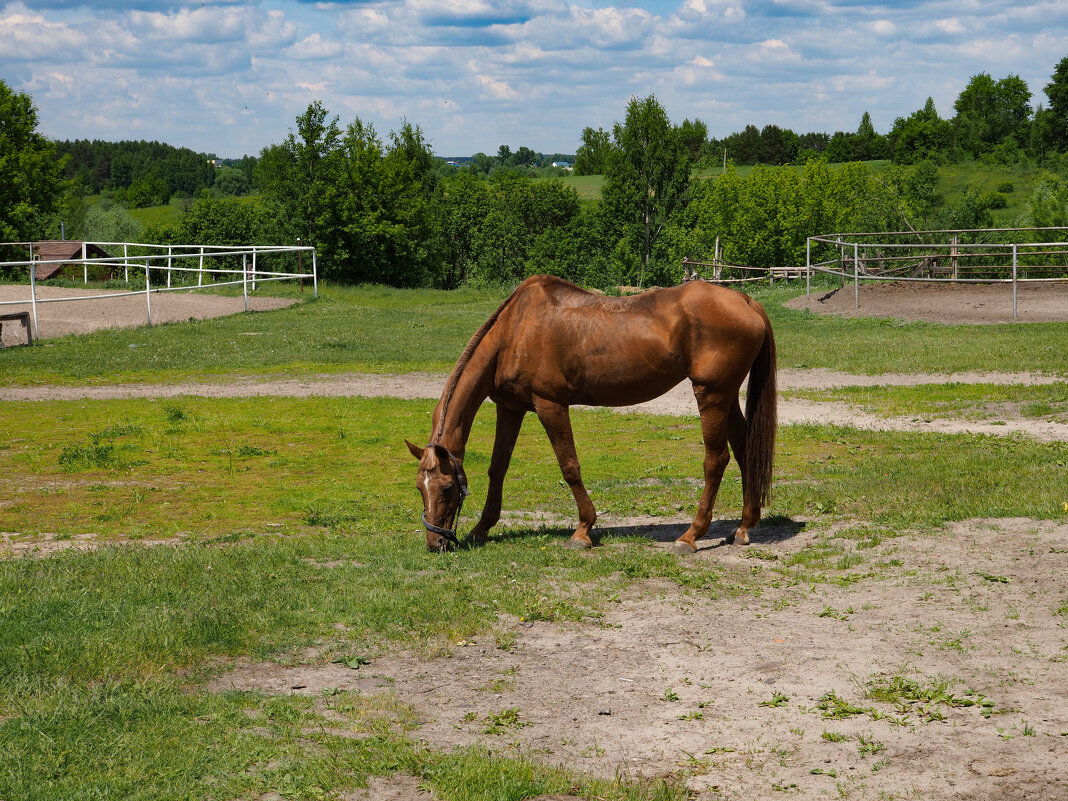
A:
(416, 451)
(442, 453)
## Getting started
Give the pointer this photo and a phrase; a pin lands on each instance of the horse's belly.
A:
(624, 390)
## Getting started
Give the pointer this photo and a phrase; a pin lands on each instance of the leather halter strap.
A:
(450, 534)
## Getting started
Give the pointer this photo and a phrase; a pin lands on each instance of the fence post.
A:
(1013, 280)
(200, 272)
(85, 264)
(856, 278)
(148, 293)
(315, 275)
(170, 250)
(244, 278)
(808, 266)
(33, 295)
(253, 269)
(125, 261)
(841, 260)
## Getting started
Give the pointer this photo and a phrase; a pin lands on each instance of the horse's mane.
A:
(461, 363)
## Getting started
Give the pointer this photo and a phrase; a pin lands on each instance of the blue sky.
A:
(230, 76)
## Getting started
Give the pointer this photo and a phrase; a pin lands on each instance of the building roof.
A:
(52, 250)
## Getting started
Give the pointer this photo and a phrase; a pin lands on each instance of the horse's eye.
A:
(446, 488)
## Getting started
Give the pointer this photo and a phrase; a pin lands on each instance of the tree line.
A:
(385, 209)
(993, 121)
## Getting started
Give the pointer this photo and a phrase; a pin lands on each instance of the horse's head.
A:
(443, 485)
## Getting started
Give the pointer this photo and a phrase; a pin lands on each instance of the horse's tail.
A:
(761, 419)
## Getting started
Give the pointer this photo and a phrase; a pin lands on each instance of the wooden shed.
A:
(53, 249)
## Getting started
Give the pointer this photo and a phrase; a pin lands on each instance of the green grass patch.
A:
(379, 329)
(369, 329)
(967, 401)
(247, 467)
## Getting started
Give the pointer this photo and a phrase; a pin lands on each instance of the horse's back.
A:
(563, 343)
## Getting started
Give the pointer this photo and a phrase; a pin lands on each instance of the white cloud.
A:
(231, 76)
(951, 26)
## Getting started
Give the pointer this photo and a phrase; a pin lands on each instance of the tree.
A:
(695, 139)
(989, 112)
(744, 147)
(922, 135)
(867, 144)
(647, 179)
(1057, 92)
(31, 175)
(592, 155)
(297, 175)
(777, 145)
(231, 181)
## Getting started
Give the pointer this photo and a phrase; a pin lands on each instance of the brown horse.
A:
(551, 345)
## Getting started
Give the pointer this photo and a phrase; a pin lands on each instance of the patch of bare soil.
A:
(736, 692)
(943, 303)
(677, 401)
(41, 545)
(129, 311)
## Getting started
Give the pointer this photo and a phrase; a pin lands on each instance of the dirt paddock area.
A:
(939, 673)
(975, 304)
(81, 317)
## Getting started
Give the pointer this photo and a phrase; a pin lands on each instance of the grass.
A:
(289, 546)
(250, 467)
(378, 329)
(299, 525)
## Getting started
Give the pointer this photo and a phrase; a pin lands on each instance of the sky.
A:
(229, 77)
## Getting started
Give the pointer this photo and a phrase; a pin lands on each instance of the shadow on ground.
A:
(770, 531)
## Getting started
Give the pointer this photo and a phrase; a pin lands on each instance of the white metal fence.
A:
(974, 256)
(170, 268)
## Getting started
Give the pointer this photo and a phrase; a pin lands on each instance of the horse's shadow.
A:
(772, 530)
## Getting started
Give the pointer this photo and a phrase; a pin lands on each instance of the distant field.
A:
(953, 180)
(169, 214)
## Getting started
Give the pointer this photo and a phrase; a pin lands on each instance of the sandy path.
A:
(678, 401)
(108, 310)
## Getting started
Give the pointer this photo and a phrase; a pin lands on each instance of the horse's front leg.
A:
(557, 422)
(509, 421)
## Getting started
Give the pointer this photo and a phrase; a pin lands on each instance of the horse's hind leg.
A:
(509, 421)
(557, 422)
(714, 414)
(736, 433)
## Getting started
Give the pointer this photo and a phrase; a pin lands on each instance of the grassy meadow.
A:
(384, 330)
(290, 532)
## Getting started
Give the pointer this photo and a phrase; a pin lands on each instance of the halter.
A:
(450, 533)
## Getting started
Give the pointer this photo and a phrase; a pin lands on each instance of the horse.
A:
(551, 345)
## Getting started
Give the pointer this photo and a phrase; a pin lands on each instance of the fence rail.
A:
(964, 256)
(253, 263)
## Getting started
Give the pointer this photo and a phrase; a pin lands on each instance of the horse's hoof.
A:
(576, 544)
(737, 539)
(683, 548)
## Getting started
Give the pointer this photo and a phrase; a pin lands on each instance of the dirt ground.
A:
(81, 317)
(730, 689)
(943, 303)
(678, 401)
